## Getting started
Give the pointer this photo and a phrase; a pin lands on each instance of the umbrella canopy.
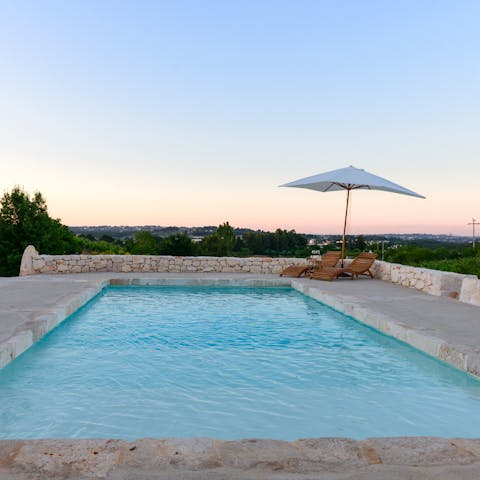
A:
(349, 178)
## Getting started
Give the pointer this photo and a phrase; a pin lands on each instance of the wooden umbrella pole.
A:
(345, 227)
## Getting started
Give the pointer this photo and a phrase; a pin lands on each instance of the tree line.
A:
(446, 257)
(24, 220)
(222, 242)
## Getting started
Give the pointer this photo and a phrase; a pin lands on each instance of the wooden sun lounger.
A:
(329, 259)
(360, 266)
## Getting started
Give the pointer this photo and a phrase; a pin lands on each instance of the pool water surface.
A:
(227, 362)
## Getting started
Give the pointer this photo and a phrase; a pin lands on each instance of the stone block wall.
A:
(434, 282)
(470, 292)
(156, 263)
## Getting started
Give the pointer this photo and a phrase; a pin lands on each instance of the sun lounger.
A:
(329, 259)
(360, 266)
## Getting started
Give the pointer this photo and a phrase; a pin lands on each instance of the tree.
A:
(177, 244)
(144, 244)
(221, 242)
(107, 238)
(360, 243)
(281, 242)
(25, 221)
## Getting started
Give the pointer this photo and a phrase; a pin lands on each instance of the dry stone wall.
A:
(157, 263)
(470, 292)
(434, 282)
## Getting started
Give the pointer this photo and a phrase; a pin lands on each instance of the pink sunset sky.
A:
(193, 113)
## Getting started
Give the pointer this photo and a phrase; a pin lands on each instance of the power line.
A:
(473, 223)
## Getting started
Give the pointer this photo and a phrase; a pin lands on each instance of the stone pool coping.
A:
(439, 326)
(204, 458)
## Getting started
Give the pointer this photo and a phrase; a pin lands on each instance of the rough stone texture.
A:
(434, 282)
(422, 451)
(205, 458)
(158, 263)
(26, 265)
(470, 292)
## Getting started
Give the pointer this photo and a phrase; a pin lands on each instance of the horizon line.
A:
(268, 231)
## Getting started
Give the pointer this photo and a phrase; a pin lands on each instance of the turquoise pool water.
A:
(227, 363)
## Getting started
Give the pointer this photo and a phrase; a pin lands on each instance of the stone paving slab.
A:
(30, 308)
(205, 458)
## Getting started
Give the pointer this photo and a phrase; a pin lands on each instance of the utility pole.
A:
(383, 242)
(473, 223)
(383, 248)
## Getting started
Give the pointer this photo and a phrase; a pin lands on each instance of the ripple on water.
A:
(227, 363)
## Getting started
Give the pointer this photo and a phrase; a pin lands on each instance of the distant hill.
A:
(122, 232)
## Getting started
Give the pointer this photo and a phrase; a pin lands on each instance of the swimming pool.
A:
(227, 362)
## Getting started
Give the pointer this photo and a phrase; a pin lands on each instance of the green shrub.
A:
(24, 221)
(470, 266)
(178, 244)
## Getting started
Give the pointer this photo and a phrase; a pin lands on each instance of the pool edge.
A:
(45, 321)
(433, 346)
(254, 459)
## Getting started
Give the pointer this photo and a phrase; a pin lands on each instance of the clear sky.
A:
(193, 112)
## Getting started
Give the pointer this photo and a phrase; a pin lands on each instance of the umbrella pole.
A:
(345, 227)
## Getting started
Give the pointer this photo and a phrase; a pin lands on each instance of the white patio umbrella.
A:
(349, 178)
